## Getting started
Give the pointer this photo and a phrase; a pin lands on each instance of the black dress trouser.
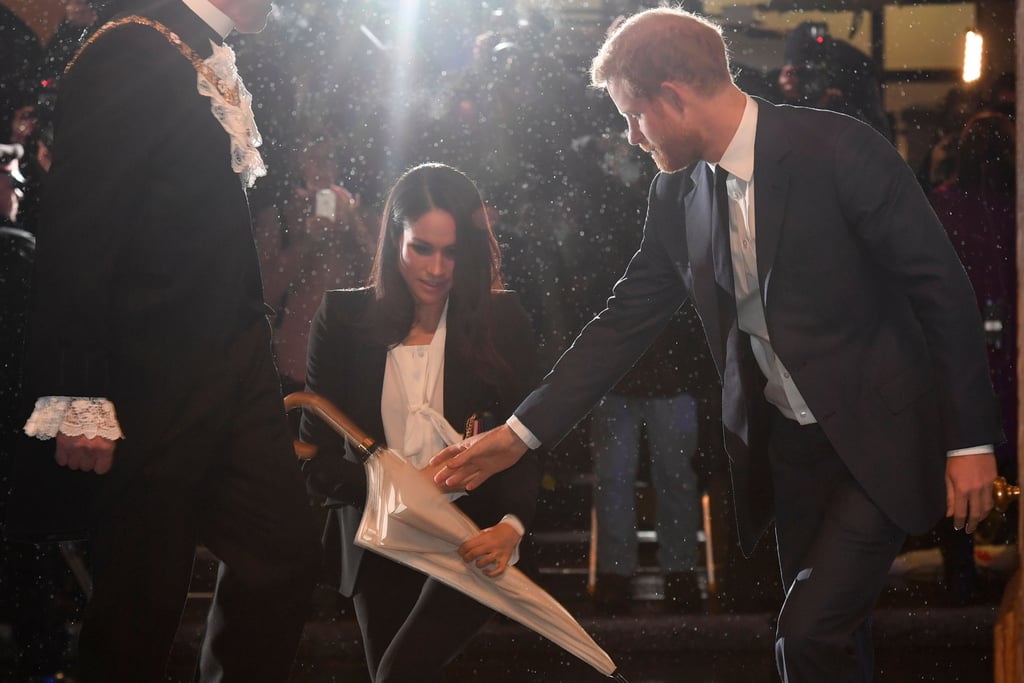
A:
(412, 625)
(229, 482)
(835, 551)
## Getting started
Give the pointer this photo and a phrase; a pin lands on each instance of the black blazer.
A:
(346, 363)
(146, 271)
(865, 301)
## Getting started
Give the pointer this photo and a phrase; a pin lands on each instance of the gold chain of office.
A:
(229, 93)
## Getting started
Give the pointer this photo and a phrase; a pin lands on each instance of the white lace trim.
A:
(73, 416)
(237, 119)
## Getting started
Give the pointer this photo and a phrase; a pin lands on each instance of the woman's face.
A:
(426, 257)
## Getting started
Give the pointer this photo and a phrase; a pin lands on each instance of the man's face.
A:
(318, 167)
(789, 82)
(23, 125)
(250, 16)
(659, 128)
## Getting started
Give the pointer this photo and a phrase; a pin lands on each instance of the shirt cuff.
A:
(73, 416)
(987, 449)
(520, 430)
(514, 522)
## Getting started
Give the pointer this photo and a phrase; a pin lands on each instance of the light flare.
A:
(973, 43)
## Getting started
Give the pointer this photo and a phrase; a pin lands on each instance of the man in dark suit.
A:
(148, 300)
(855, 388)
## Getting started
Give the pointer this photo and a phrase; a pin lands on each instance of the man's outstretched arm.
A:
(642, 303)
(470, 463)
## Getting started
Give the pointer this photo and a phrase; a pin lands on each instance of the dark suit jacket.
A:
(146, 271)
(866, 305)
(346, 363)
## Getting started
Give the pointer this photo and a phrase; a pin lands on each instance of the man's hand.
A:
(430, 473)
(82, 453)
(969, 495)
(492, 547)
(470, 463)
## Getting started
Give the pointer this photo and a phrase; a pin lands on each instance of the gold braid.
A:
(230, 94)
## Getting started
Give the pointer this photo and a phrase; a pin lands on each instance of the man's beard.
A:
(675, 155)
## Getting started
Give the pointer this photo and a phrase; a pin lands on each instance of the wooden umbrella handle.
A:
(337, 420)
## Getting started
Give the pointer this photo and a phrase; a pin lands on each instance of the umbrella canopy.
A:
(408, 520)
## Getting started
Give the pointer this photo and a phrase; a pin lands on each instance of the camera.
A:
(325, 204)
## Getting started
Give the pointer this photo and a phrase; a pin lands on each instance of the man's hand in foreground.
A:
(470, 463)
(969, 495)
(82, 453)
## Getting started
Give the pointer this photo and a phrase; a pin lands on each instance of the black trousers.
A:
(412, 626)
(835, 550)
(229, 482)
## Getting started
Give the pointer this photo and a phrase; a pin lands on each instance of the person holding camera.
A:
(318, 241)
(822, 72)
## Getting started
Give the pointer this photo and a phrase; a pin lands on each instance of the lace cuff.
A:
(73, 416)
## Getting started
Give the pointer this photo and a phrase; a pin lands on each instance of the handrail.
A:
(1004, 493)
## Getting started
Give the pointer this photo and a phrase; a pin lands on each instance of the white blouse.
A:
(412, 401)
(412, 406)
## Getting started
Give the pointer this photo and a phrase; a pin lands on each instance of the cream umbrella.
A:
(407, 519)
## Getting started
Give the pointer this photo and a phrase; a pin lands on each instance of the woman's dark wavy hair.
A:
(477, 265)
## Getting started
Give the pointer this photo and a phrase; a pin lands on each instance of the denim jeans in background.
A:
(672, 437)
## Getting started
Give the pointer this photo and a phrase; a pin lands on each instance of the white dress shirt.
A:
(214, 18)
(738, 160)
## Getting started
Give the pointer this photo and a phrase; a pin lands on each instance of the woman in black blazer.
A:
(432, 336)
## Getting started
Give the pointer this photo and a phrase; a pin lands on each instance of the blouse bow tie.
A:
(231, 104)
(424, 420)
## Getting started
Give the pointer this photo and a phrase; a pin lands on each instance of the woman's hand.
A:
(491, 548)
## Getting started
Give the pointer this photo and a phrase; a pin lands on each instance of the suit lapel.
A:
(367, 362)
(461, 389)
(771, 189)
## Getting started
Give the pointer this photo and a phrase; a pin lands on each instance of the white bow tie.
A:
(421, 423)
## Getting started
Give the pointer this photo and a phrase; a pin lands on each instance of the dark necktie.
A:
(721, 247)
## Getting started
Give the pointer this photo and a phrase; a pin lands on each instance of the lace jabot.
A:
(233, 113)
(217, 78)
(73, 416)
